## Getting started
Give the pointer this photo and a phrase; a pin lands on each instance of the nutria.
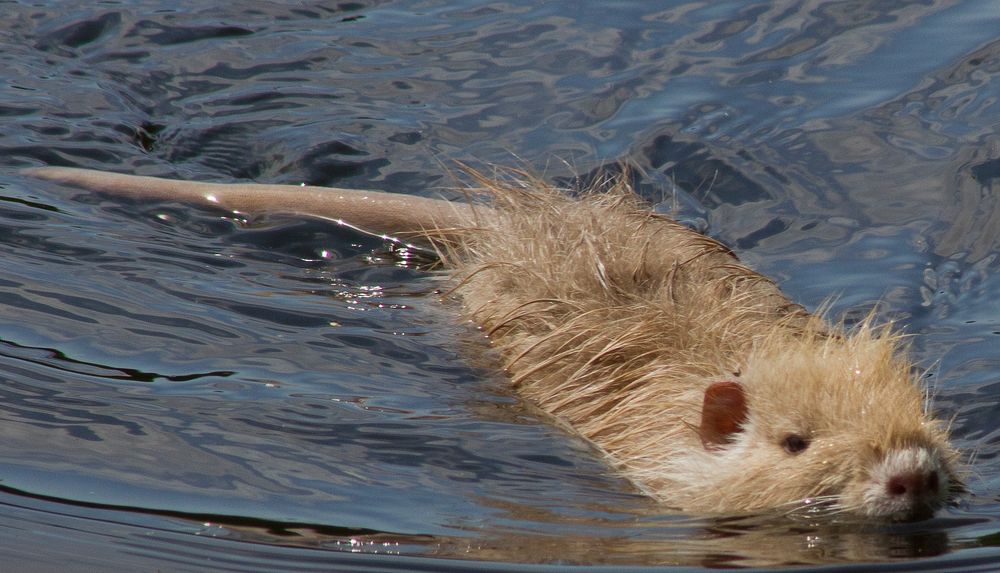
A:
(702, 383)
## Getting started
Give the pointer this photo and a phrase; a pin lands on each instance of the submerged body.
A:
(701, 382)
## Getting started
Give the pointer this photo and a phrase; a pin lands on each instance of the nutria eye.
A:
(794, 444)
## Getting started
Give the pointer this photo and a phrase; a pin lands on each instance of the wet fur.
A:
(617, 320)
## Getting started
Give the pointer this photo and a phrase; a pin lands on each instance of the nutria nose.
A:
(916, 485)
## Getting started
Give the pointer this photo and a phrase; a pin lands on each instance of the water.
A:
(187, 391)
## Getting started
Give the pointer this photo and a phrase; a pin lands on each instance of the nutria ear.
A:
(722, 414)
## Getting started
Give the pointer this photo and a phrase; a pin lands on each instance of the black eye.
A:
(794, 444)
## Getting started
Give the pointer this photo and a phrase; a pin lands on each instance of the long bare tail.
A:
(376, 212)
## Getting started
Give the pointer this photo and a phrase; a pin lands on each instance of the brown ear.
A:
(722, 414)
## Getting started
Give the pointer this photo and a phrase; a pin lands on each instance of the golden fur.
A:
(616, 320)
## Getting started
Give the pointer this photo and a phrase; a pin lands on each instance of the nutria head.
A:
(825, 424)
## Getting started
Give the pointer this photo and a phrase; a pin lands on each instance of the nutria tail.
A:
(376, 212)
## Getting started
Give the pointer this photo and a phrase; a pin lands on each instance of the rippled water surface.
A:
(182, 390)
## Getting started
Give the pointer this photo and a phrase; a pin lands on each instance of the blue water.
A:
(182, 390)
